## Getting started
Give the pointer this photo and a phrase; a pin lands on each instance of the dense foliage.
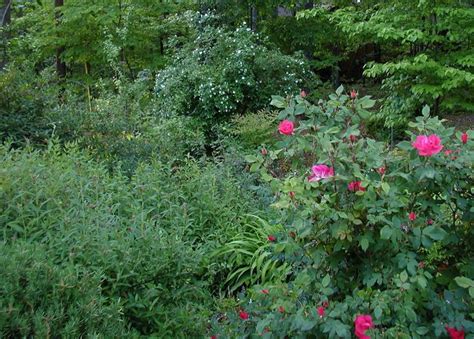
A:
(369, 229)
(185, 169)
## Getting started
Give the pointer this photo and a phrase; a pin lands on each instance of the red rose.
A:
(264, 151)
(303, 93)
(291, 194)
(321, 311)
(464, 138)
(427, 145)
(355, 186)
(271, 238)
(281, 309)
(353, 138)
(381, 170)
(455, 334)
(265, 291)
(353, 94)
(412, 216)
(243, 315)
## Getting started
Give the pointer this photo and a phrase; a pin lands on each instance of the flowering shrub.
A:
(220, 73)
(377, 236)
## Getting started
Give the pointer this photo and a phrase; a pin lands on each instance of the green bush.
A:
(378, 231)
(142, 244)
(42, 298)
(220, 73)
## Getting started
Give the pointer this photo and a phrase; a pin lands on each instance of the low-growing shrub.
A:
(140, 247)
(378, 238)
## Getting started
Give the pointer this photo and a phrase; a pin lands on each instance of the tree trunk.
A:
(6, 13)
(60, 64)
(253, 18)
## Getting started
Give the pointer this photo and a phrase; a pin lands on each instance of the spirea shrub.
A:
(221, 73)
(378, 238)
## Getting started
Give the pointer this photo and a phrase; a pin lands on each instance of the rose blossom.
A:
(243, 315)
(286, 127)
(412, 216)
(362, 324)
(427, 145)
(355, 186)
(321, 311)
(455, 334)
(464, 138)
(321, 172)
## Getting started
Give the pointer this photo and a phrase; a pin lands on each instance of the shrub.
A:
(41, 298)
(139, 246)
(377, 231)
(220, 73)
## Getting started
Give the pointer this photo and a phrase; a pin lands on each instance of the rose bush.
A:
(373, 230)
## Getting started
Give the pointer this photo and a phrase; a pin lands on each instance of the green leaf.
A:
(339, 90)
(404, 276)
(425, 111)
(386, 187)
(326, 280)
(378, 312)
(364, 244)
(386, 232)
(278, 101)
(464, 282)
(434, 232)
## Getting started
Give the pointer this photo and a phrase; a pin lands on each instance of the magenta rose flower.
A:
(286, 127)
(427, 145)
(362, 324)
(321, 172)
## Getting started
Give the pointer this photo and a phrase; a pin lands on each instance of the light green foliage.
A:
(358, 249)
(253, 129)
(134, 33)
(247, 256)
(431, 60)
(138, 247)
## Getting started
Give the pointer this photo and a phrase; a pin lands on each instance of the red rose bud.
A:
(321, 311)
(291, 194)
(325, 304)
(281, 309)
(381, 170)
(412, 216)
(454, 333)
(353, 94)
(429, 221)
(264, 151)
(243, 315)
(213, 336)
(352, 138)
(303, 93)
(271, 238)
(421, 264)
(292, 234)
(464, 138)
(265, 291)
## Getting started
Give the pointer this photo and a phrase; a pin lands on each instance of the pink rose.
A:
(427, 145)
(353, 94)
(321, 311)
(464, 138)
(271, 238)
(412, 216)
(286, 127)
(362, 324)
(303, 93)
(355, 186)
(455, 334)
(321, 172)
(352, 138)
(381, 170)
(281, 309)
